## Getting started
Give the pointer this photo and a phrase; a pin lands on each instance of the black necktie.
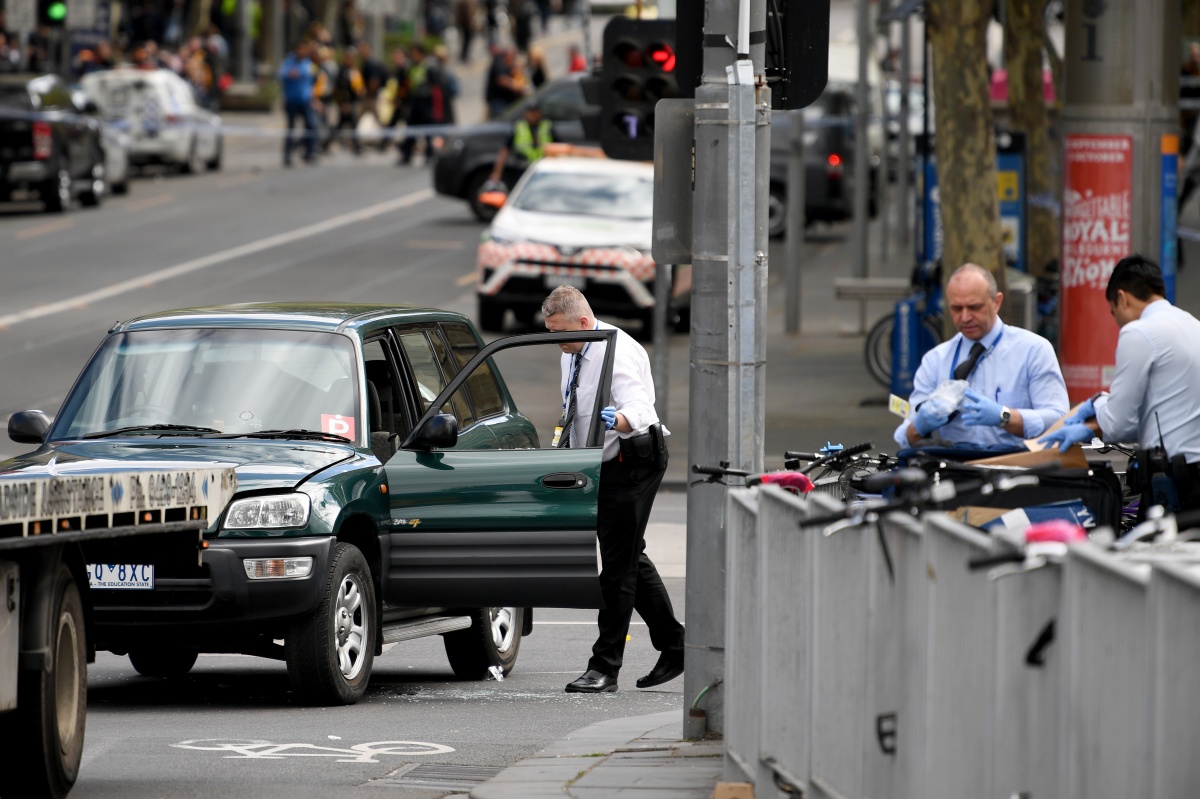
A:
(964, 369)
(569, 416)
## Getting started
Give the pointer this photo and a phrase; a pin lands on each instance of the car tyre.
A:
(493, 639)
(45, 733)
(162, 663)
(491, 315)
(214, 164)
(56, 192)
(329, 653)
(484, 213)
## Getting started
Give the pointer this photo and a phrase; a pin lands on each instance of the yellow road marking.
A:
(150, 202)
(466, 279)
(46, 227)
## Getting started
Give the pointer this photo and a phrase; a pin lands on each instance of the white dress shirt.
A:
(631, 392)
(1157, 383)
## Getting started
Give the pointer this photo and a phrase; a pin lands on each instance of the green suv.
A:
(387, 489)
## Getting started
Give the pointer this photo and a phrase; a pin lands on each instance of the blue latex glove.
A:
(979, 410)
(928, 420)
(1086, 411)
(609, 415)
(1067, 435)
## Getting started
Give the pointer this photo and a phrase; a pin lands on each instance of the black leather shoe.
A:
(668, 667)
(593, 682)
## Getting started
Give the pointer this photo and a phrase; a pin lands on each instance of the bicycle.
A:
(840, 467)
(927, 296)
(793, 481)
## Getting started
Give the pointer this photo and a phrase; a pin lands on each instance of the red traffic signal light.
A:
(638, 70)
(662, 55)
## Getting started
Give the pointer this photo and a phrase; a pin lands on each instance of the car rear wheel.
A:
(329, 654)
(163, 662)
(493, 639)
(56, 192)
(491, 315)
(484, 213)
(45, 733)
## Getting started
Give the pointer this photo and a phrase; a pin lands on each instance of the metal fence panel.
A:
(892, 674)
(743, 634)
(786, 572)
(960, 662)
(1105, 708)
(1175, 604)
(1027, 687)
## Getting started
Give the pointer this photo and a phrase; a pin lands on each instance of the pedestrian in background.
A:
(465, 12)
(298, 76)
(634, 461)
(348, 92)
(397, 91)
(530, 135)
(539, 73)
(423, 79)
(575, 60)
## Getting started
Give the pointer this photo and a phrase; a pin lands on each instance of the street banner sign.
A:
(1097, 214)
(20, 15)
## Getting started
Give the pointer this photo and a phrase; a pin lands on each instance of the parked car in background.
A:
(829, 153)
(585, 222)
(49, 147)
(467, 155)
(159, 110)
(388, 488)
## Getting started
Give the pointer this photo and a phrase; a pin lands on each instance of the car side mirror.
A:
(28, 427)
(440, 431)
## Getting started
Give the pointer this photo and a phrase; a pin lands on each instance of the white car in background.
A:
(160, 113)
(585, 222)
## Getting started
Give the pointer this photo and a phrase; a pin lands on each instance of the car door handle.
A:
(564, 480)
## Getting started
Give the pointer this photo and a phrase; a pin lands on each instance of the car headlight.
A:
(499, 238)
(272, 512)
(277, 568)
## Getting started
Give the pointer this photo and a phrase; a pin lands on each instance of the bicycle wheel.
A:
(878, 347)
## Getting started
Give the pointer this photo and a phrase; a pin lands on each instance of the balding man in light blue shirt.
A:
(1016, 387)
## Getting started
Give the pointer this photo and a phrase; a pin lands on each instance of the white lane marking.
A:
(196, 264)
(358, 753)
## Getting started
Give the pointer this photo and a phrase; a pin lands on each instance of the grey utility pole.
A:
(1122, 102)
(862, 153)
(728, 343)
(795, 224)
(906, 161)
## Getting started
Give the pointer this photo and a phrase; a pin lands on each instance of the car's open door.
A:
(495, 527)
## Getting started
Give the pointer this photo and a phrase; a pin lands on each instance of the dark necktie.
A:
(569, 416)
(964, 369)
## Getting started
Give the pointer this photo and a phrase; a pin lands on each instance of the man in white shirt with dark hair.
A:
(629, 479)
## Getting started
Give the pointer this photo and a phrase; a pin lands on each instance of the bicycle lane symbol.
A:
(244, 749)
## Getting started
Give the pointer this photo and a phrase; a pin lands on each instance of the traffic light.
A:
(797, 52)
(53, 12)
(638, 71)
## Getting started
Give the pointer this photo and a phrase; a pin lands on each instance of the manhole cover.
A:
(439, 775)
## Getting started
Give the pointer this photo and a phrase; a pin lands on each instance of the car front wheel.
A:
(492, 640)
(329, 653)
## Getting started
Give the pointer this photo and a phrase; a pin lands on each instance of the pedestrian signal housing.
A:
(638, 70)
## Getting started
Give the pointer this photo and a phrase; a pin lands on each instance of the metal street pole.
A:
(906, 163)
(795, 224)
(862, 153)
(728, 342)
(244, 44)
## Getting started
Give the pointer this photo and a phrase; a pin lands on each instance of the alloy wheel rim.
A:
(503, 632)
(66, 681)
(350, 626)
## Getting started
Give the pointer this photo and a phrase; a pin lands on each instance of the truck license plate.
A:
(137, 577)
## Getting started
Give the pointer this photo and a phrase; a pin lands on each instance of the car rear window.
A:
(14, 96)
(614, 196)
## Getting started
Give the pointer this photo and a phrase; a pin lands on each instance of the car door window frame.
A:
(427, 328)
(609, 335)
(402, 413)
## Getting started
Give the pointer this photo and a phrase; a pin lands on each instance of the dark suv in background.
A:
(49, 145)
(467, 155)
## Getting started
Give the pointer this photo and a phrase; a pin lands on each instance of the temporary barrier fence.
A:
(867, 660)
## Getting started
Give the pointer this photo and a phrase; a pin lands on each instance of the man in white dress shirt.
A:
(635, 459)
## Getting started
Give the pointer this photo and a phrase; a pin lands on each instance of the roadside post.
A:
(1122, 99)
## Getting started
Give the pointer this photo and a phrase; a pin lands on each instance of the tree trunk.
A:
(1024, 31)
(965, 145)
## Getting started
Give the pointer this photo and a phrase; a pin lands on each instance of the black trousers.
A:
(628, 579)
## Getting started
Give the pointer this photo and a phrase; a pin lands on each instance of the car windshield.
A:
(616, 196)
(225, 380)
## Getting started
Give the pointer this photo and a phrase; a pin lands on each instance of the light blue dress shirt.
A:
(1158, 375)
(1018, 370)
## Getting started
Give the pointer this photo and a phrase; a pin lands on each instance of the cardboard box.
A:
(975, 515)
(1071, 459)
